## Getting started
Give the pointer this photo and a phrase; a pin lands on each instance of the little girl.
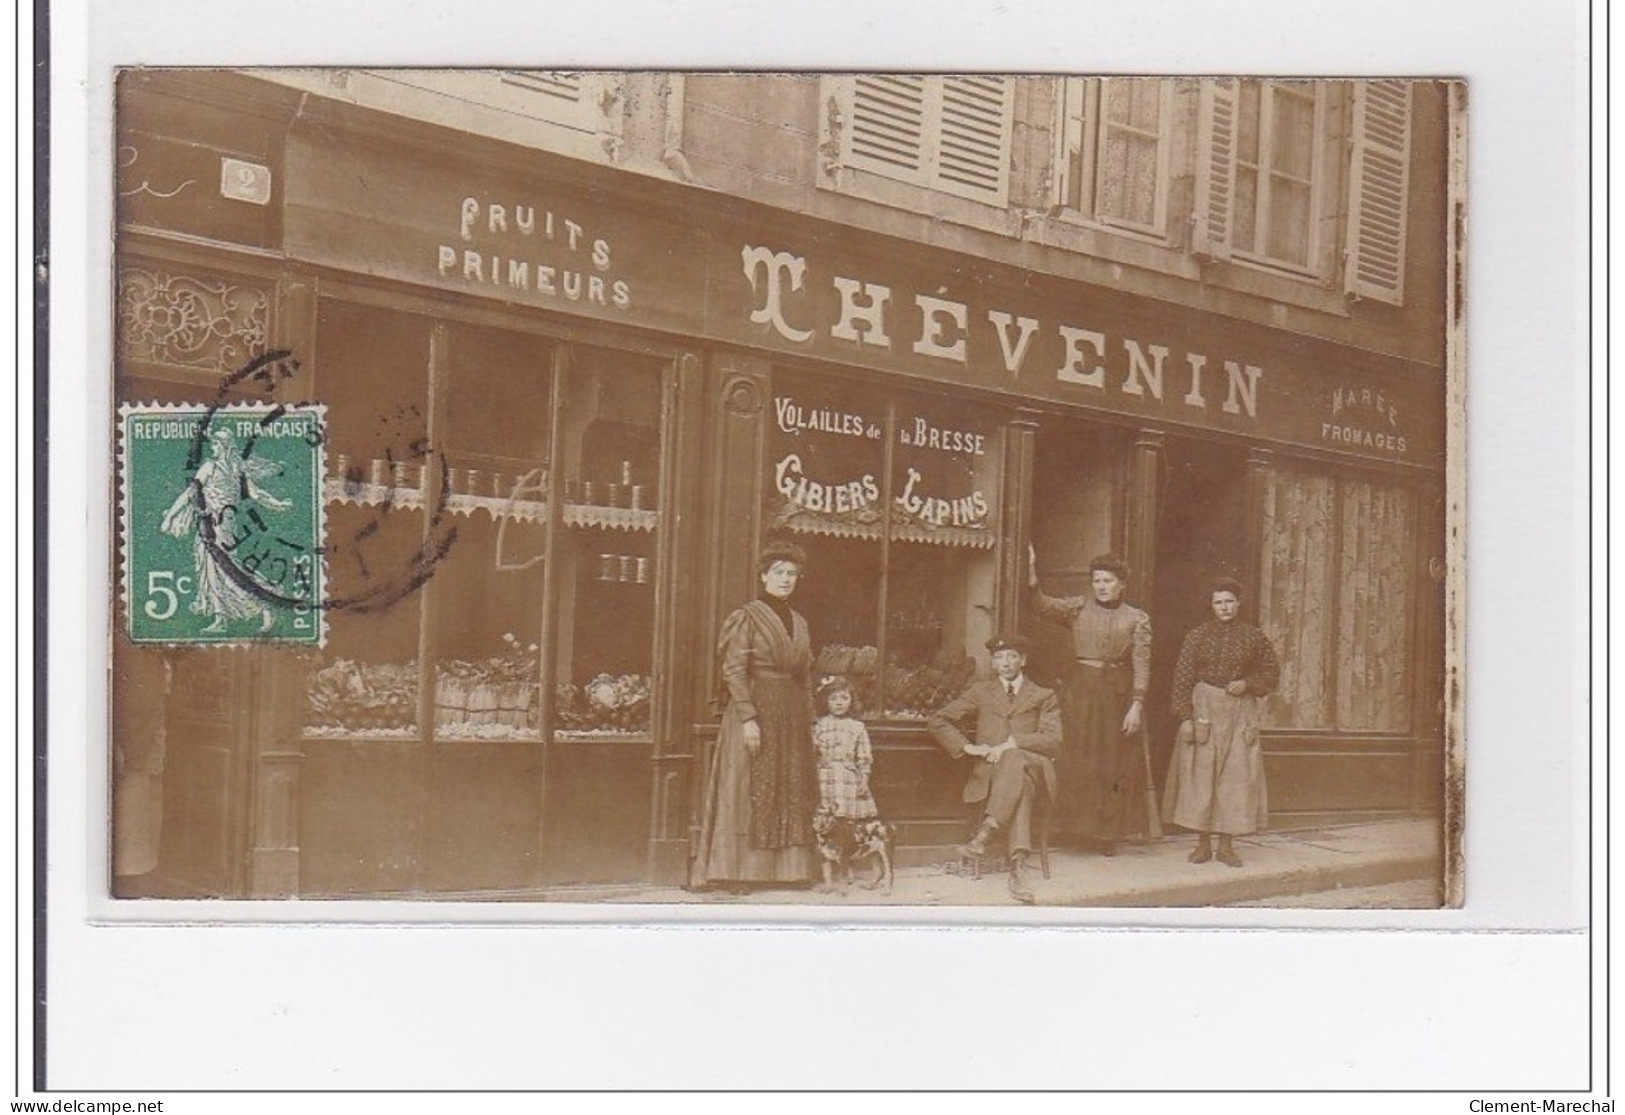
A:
(847, 825)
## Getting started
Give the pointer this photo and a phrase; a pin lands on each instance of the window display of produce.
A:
(914, 692)
(546, 582)
(612, 704)
(375, 698)
(494, 698)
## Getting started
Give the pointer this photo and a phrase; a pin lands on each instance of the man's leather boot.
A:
(977, 845)
(1019, 888)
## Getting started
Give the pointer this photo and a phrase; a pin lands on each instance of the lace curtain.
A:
(1296, 603)
(1335, 600)
(1375, 606)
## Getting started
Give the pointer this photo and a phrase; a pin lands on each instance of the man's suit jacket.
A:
(1032, 719)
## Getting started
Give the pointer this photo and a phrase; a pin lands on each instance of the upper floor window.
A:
(950, 133)
(1279, 128)
(1267, 168)
(1115, 137)
(564, 98)
(588, 102)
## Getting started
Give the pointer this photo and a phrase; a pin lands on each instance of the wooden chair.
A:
(1044, 814)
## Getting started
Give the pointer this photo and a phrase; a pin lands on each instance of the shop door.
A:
(1077, 514)
(1201, 533)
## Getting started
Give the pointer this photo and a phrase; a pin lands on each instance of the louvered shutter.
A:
(1215, 193)
(973, 138)
(887, 127)
(944, 133)
(1379, 170)
(572, 99)
(564, 88)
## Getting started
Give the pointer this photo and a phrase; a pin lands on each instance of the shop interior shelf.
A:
(336, 489)
(473, 735)
(488, 733)
(498, 507)
(832, 528)
(611, 518)
(601, 737)
(945, 536)
(382, 735)
(934, 536)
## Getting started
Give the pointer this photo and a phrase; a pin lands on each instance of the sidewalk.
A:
(1275, 865)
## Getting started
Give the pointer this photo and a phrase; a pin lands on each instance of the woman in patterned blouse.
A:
(1216, 777)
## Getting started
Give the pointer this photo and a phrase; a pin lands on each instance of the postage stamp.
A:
(222, 524)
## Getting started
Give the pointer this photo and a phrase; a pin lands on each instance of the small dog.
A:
(843, 842)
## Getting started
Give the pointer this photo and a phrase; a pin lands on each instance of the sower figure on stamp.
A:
(1103, 767)
(207, 510)
(1018, 732)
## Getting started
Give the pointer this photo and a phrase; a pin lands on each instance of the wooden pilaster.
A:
(1140, 512)
(278, 680)
(680, 594)
(1016, 520)
(1259, 464)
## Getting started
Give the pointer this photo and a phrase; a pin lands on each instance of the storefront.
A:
(566, 404)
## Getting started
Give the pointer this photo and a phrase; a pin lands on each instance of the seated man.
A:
(1018, 732)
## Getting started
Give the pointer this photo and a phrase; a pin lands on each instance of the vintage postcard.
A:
(825, 490)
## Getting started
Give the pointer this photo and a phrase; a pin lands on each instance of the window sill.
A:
(418, 99)
(1153, 238)
(920, 201)
(1228, 285)
(1281, 270)
(1260, 280)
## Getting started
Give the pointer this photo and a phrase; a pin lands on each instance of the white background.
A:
(1494, 996)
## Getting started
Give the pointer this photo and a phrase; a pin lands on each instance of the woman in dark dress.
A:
(1102, 691)
(1216, 777)
(762, 788)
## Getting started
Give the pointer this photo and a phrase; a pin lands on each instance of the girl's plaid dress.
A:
(844, 760)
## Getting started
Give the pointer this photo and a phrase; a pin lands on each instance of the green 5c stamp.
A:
(222, 524)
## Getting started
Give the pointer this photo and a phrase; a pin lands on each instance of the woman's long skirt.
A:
(756, 826)
(1218, 786)
(1101, 770)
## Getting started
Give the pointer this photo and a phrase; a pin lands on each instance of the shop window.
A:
(610, 455)
(372, 371)
(492, 523)
(1336, 600)
(485, 600)
(948, 133)
(1115, 141)
(1376, 563)
(895, 500)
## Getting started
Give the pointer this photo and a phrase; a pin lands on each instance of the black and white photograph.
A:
(918, 489)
